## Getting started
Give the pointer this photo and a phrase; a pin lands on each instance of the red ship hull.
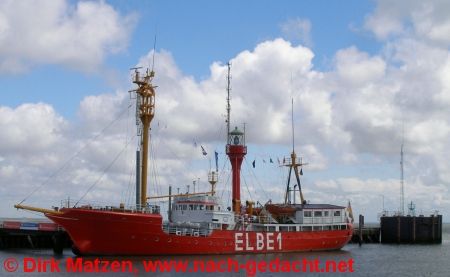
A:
(100, 232)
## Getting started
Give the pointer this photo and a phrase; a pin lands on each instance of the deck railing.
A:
(186, 231)
(149, 209)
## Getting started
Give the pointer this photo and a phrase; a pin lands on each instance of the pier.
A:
(370, 233)
(32, 234)
(411, 229)
(400, 229)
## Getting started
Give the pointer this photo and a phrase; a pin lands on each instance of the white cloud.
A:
(97, 111)
(30, 128)
(57, 32)
(257, 98)
(298, 29)
(316, 160)
(426, 19)
(328, 184)
(387, 18)
(357, 68)
(443, 75)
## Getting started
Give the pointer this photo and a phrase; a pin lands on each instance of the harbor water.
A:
(368, 260)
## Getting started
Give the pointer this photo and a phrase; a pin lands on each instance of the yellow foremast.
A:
(146, 92)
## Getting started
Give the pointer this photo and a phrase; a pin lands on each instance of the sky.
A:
(365, 77)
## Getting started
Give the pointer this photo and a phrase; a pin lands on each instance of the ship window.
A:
(326, 213)
(337, 213)
(195, 207)
(201, 207)
(317, 213)
(307, 213)
(191, 207)
(184, 207)
(272, 228)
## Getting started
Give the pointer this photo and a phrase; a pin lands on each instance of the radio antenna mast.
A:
(153, 55)
(292, 115)
(228, 98)
(292, 121)
(402, 183)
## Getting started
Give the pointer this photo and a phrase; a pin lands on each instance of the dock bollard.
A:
(360, 227)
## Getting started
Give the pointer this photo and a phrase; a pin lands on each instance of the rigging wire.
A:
(126, 139)
(225, 185)
(129, 190)
(228, 177)
(248, 190)
(155, 168)
(36, 213)
(65, 164)
(104, 171)
(257, 181)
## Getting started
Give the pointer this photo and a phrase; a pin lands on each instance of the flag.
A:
(301, 171)
(203, 151)
(254, 163)
(350, 212)
(271, 161)
(217, 160)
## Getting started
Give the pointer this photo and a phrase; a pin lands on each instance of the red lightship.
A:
(197, 223)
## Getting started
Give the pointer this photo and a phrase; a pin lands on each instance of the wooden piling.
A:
(360, 228)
